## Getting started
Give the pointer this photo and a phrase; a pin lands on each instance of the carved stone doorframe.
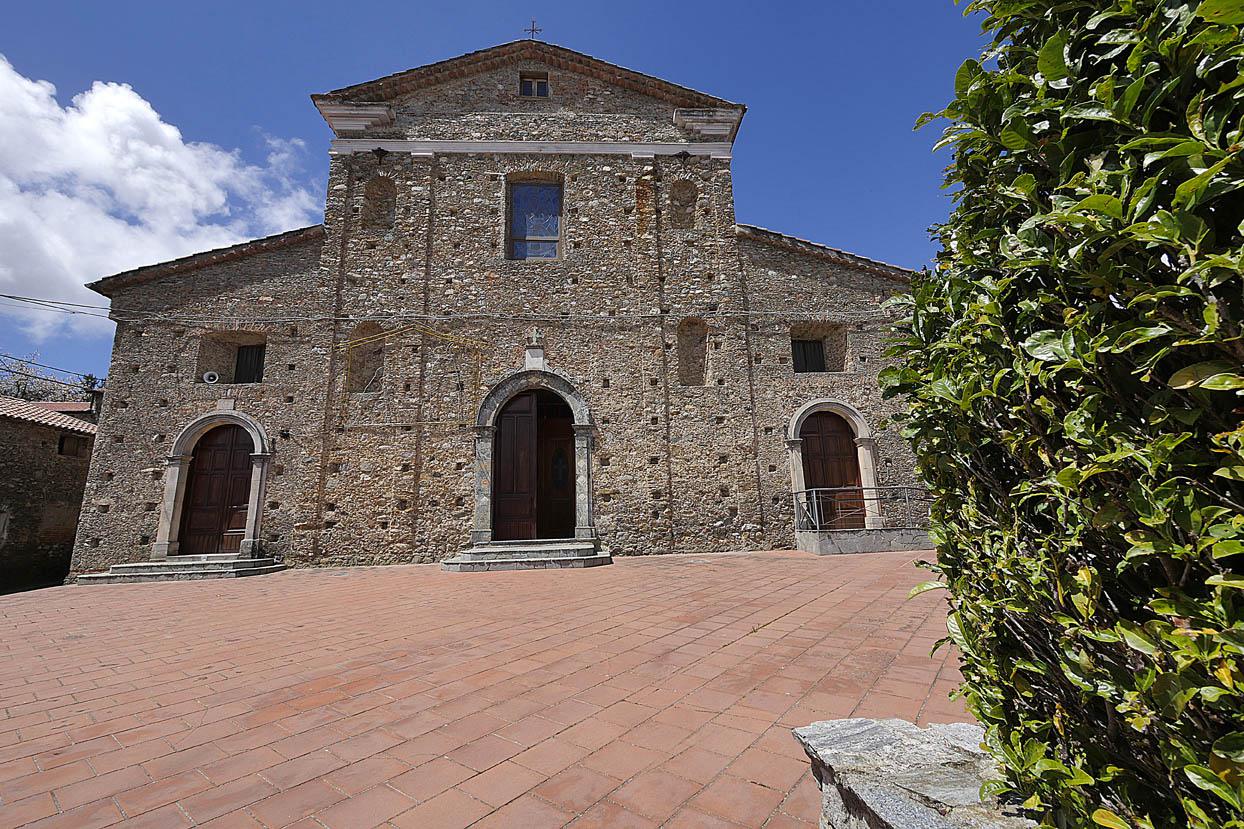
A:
(176, 477)
(865, 447)
(536, 375)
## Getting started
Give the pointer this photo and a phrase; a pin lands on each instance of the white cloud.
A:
(104, 184)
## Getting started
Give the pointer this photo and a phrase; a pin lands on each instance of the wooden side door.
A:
(830, 460)
(217, 493)
(555, 468)
(514, 471)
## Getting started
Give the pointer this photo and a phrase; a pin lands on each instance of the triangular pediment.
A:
(393, 87)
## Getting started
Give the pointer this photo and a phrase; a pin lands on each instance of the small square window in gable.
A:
(533, 84)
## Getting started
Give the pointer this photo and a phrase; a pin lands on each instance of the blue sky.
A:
(826, 152)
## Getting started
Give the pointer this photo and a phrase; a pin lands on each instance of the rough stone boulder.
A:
(891, 774)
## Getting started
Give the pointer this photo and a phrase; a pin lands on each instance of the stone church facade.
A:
(529, 313)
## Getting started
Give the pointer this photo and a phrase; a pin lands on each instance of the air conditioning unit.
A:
(211, 377)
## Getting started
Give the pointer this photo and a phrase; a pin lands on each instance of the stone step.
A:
(528, 549)
(178, 564)
(205, 557)
(464, 565)
(175, 574)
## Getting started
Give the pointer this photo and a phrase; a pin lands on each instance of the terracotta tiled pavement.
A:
(656, 692)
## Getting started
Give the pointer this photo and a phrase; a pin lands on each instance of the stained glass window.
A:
(535, 220)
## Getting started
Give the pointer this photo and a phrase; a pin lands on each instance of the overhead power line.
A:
(41, 365)
(399, 316)
(41, 378)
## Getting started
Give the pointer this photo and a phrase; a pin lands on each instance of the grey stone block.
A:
(891, 774)
(846, 542)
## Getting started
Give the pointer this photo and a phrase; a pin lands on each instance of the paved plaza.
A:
(659, 691)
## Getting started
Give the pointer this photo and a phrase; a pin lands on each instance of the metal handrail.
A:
(822, 509)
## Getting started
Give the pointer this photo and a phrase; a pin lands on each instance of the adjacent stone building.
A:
(529, 314)
(44, 455)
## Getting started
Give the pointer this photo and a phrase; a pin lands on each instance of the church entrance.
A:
(217, 493)
(534, 469)
(831, 471)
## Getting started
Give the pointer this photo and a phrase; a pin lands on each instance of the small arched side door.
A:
(831, 464)
(217, 493)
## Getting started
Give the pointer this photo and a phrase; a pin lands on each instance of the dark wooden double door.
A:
(831, 462)
(217, 492)
(533, 493)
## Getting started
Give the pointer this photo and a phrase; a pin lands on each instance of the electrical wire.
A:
(132, 316)
(78, 386)
(41, 365)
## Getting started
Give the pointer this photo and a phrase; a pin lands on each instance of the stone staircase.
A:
(184, 568)
(528, 555)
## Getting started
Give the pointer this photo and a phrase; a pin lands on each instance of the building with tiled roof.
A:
(81, 409)
(56, 414)
(44, 456)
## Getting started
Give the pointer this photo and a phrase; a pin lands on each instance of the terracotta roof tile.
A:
(16, 409)
(64, 405)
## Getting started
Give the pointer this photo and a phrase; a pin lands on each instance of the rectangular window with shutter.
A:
(808, 356)
(73, 446)
(249, 366)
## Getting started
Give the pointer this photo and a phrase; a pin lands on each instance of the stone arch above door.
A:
(865, 446)
(176, 477)
(184, 443)
(846, 411)
(528, 379)
(485, 436)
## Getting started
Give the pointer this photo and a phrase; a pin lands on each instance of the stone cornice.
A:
(709, 124)
(350, 117)
(427, 147)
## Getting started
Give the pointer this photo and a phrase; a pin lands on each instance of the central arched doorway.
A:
(214, 511)
(831, 471)
(534, 468)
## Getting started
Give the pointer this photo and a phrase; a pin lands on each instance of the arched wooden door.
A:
(831, 462)
(533, 469)
(217, 492)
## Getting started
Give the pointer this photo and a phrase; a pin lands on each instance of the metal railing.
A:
(857, 508)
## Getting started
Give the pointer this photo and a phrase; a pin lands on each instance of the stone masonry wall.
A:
(579, 108)
(154, 390)
(40, 495)
(790, 289)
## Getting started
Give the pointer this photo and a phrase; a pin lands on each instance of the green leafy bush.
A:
(1073, 373)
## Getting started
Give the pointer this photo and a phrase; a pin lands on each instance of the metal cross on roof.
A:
(532, 31)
